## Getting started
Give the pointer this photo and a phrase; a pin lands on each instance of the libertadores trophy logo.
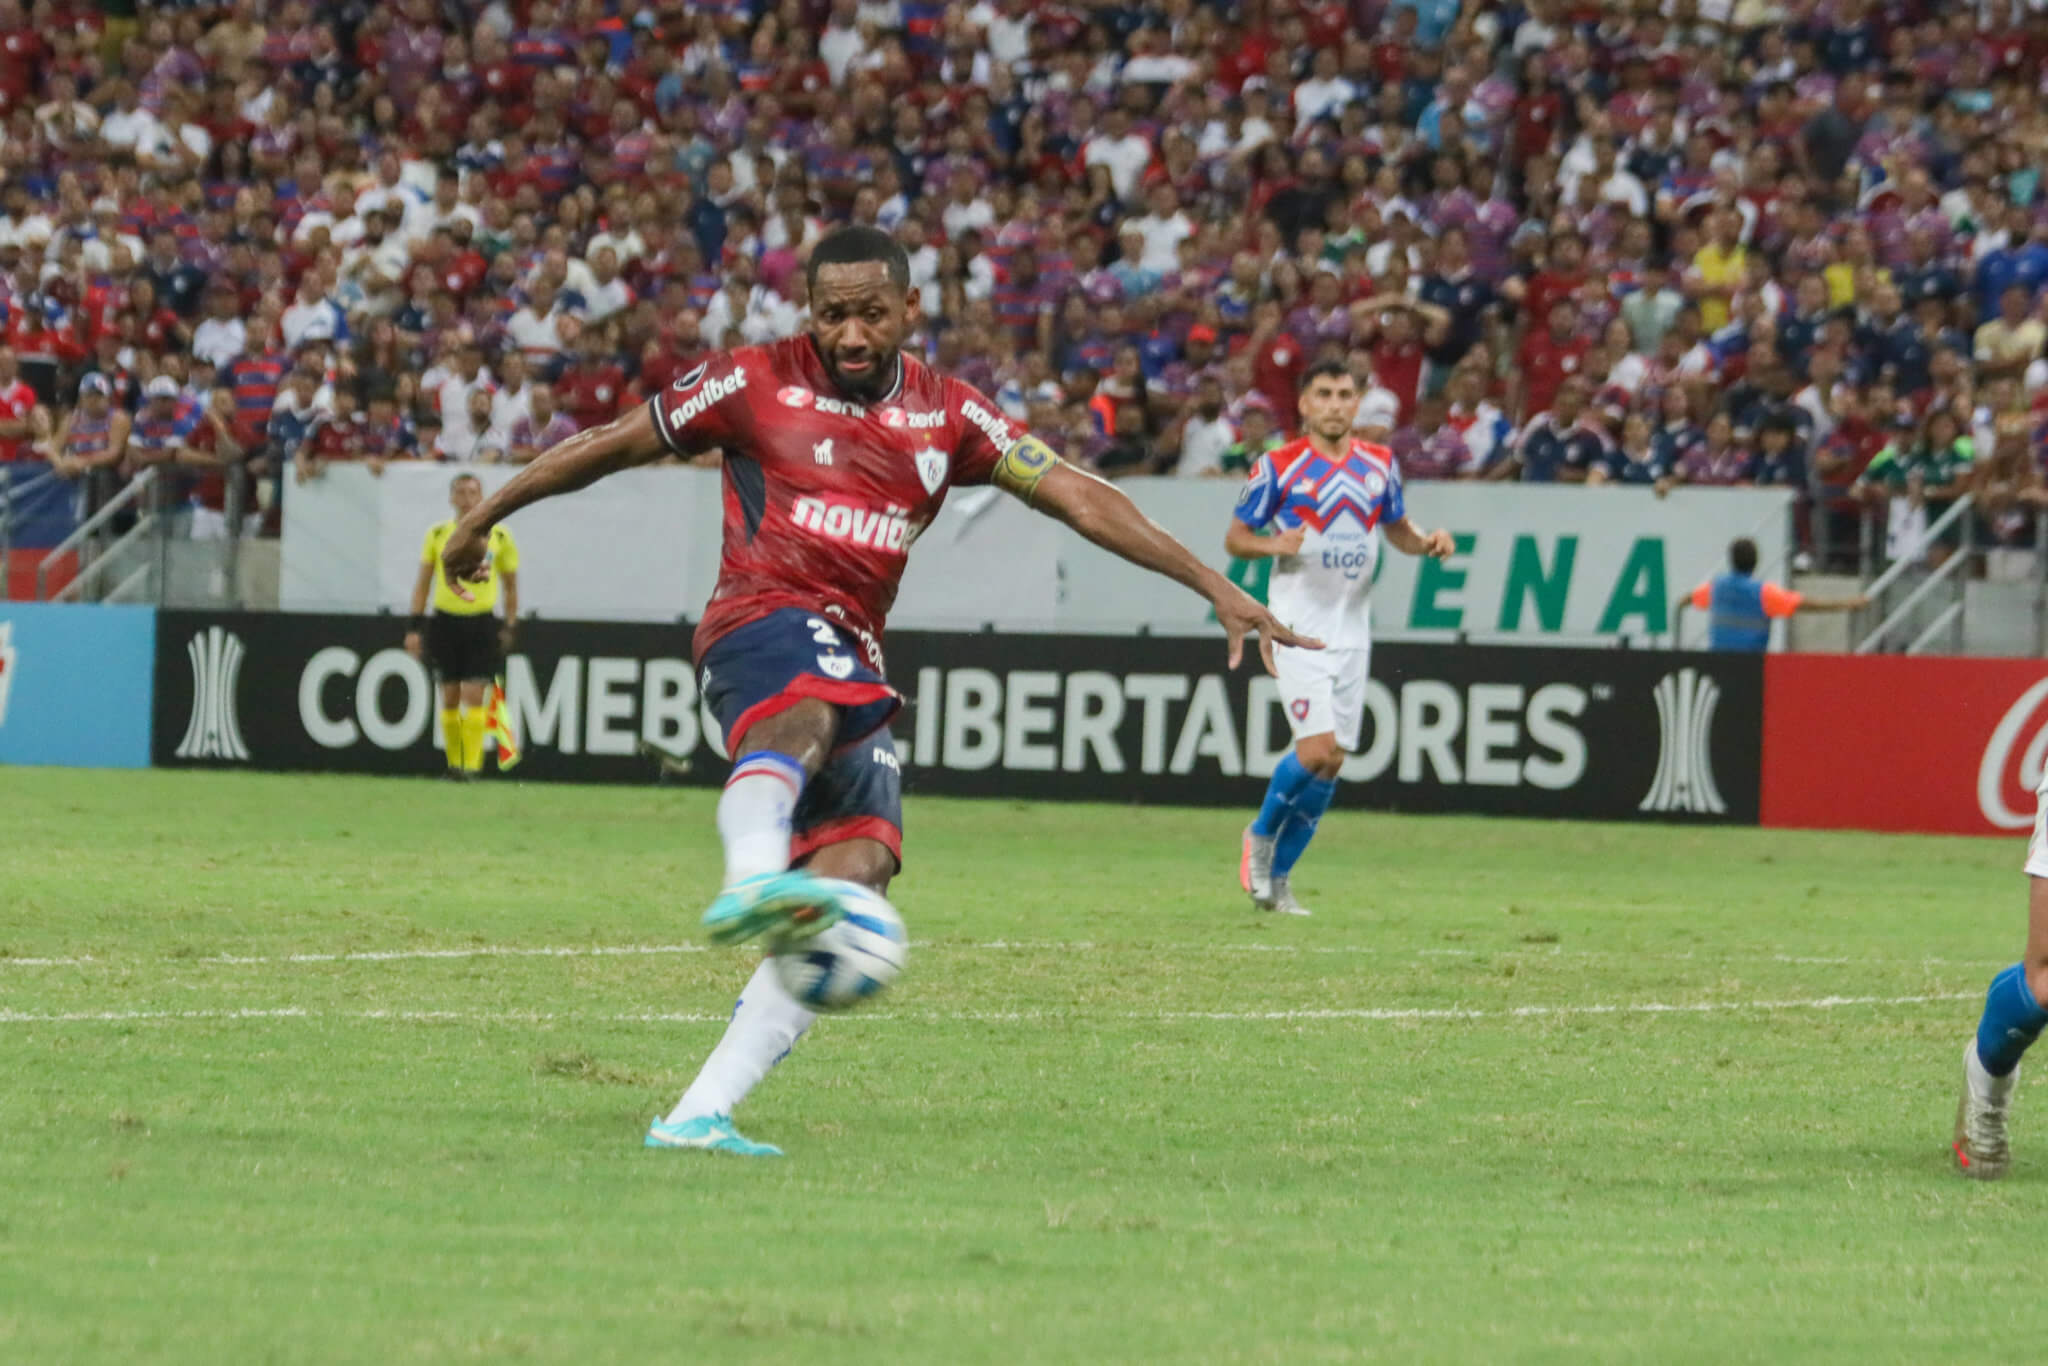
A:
(1686, 700)
(215, 731)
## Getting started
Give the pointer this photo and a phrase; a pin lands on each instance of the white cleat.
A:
(1283, 899)
(1255, 869)
(1980, 1147)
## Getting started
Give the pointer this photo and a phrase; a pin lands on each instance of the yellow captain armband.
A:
(1027, 461)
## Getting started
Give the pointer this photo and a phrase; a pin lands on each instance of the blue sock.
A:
(2013, 1019)
(1301, 826)
(1289, 777)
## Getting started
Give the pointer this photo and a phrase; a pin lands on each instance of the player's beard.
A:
(868, 386)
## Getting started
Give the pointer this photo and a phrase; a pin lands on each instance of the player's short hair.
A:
(464, 478)
(1327, 369)
(856, 245)
(1742, 555)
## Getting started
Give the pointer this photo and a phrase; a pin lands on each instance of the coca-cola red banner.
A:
(1942, 746)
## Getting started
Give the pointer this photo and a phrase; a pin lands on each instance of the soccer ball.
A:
(849, 961)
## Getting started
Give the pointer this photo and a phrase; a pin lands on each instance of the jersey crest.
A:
(931, 468)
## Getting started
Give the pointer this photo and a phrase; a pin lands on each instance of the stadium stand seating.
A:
(1707, 241)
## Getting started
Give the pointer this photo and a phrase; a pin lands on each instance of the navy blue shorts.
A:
(767, 667)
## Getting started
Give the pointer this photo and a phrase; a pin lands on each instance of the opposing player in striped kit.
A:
(1325, 499)
(838, 450)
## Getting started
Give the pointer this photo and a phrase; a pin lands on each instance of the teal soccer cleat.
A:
(714, 1133)
(791, 905)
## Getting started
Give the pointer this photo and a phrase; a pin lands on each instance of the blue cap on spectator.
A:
(94, 383)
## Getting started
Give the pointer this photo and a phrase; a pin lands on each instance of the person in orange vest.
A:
(1740, 607)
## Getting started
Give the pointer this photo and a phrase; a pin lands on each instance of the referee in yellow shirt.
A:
(463, 640)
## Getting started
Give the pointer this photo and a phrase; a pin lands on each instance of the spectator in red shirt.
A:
(1400, 332)
(1277, 359)
(339, 438)
(23, 419)
(593, 387)
(1548, 358)
(1562, 276)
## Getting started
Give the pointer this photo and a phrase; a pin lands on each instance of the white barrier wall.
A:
(1534, 563)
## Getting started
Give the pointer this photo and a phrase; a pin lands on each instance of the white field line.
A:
(987, 946)
(1362, 1015)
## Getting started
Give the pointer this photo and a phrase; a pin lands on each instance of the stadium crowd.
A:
(1797, 242)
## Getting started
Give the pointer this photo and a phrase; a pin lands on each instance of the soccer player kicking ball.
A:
(839, 450)
(2013, 1019)
(1325, 497)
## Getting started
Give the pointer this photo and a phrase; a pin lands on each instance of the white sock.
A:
(754, 814)
(1989, 1090)
(766, 1024)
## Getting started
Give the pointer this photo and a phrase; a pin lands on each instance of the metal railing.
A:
(137, 487)
(1950, 620)
(1955, 567)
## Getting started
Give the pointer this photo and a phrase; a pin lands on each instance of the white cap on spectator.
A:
(1379, 408)
(163, 386)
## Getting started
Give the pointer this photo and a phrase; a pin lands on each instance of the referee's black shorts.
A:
(463, 649)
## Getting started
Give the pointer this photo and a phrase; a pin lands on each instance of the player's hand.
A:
(1289, 542)
(1242, 615)
(412, 643)
(1439, 545)
(507, 635)
(462, 558)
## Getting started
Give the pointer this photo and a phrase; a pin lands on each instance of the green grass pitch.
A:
(335, 1070)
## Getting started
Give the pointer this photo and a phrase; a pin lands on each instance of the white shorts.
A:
(2037, 845)
(1324, 691)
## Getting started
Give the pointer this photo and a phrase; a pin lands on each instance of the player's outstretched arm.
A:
(1411, 539)
(577, 463)
(1100, 511)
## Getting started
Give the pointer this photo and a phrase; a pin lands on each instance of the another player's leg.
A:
(1321, 757)
(2013, 1018)
(1255, 864)
(849, 828)
(1332, 685)
(1304, 686)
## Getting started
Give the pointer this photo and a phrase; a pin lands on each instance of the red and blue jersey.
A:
(824, 494)
(255, 381)
(1297, 485)
(1340, 504)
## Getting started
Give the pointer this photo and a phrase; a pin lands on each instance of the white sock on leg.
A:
(766, 1024)
(754, 814)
